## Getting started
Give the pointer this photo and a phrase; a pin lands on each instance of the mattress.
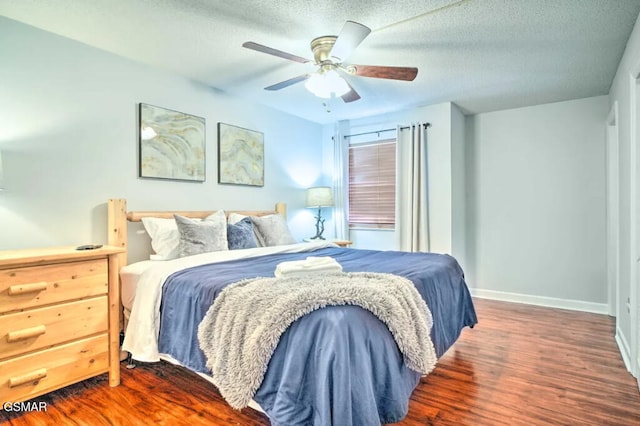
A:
(129, 277)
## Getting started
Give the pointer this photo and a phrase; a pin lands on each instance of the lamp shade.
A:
(319, 196)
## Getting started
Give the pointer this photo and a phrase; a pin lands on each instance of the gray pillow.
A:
(240, 235)
(272, 230)
(202, 236)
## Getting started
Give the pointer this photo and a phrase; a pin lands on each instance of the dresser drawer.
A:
(34, 329)
(34, 286)
(31, 375)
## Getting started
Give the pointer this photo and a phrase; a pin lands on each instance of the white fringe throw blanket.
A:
(241, 330)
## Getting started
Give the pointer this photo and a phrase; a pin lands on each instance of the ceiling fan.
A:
(330, 54)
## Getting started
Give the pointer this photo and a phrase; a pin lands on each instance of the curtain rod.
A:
(426, 125)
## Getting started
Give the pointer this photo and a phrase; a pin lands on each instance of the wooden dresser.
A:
(58, 319)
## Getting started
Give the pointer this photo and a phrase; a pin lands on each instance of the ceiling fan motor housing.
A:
(321, 48)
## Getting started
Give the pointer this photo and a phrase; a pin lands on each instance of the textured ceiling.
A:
(484, 55)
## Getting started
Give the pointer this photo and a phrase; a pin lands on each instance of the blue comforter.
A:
(339, 365)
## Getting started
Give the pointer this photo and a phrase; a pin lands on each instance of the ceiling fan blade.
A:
(351, 95)
(350, 37)
(288, 83)
(392, 73)
(275, 52)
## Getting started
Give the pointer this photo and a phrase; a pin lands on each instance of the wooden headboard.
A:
(118, 216)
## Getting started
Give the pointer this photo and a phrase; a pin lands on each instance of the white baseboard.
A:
(623, 345)
(551, 302)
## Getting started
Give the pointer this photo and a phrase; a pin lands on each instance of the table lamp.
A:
(319, 196)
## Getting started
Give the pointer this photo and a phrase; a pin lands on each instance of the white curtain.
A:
(340, 179)
(412, 194)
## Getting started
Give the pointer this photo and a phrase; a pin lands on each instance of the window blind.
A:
(372, 184)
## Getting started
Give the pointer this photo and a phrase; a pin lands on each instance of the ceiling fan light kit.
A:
(327, 84)
(329, 54)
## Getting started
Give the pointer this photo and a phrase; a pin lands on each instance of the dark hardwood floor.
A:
(521, 365)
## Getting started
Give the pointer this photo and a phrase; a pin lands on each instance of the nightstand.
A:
(341, 243)
(58, 319)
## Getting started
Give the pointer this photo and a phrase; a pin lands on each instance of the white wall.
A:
(536, 202)
(68, 135)
(458, 187)
(440, 164)
(621, 93)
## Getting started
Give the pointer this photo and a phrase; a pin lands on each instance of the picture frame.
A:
(240, 156)
(172, 144)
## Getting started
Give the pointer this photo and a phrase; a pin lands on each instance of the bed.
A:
(339, 364)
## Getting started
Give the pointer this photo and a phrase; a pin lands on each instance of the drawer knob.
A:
(26, 378)
(15, 290)
(26, 333)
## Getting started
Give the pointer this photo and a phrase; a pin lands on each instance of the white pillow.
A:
(202, 236)
(164, 237)
(272, 230)
(235, 218)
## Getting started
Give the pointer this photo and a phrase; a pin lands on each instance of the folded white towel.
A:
(311, 265)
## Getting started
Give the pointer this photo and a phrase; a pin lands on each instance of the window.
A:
(372, 184)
